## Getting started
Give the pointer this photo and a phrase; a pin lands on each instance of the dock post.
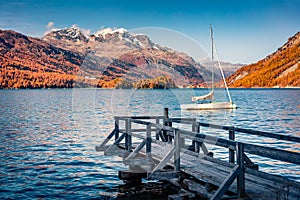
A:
(197, 144)
(166, 116)
(117, 121)
(157, 130)
(196, 128)
(231, 150)
(177, 150)
(165, 123)
(128, 139)
(169, 136)
(241, 176)
(149, 140)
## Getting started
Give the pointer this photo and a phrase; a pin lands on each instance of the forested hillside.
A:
(280, 69)
(110, 58)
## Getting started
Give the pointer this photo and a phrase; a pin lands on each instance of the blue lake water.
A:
(48, 137)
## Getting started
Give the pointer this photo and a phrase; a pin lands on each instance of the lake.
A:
(48, 137)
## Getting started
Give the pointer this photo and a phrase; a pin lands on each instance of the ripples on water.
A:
(48, 136)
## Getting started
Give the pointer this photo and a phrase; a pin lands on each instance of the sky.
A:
(245, 31)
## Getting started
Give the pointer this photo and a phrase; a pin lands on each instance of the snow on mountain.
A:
(73, 34)
(120, 54)
(104, 32)
(73, 38)
(122, 37)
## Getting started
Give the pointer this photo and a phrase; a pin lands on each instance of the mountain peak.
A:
(73, 39)
(105, 31)
(73, 34)
(61, 58)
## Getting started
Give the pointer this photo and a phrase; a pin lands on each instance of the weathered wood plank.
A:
(106, 140)
(269, 135)
(273, 178)
(136, 150)
(201, 138)
(163, 175)
(163, 127)
(241, 175)
(254, 184)
(177, 150)
(165, 160)
(114, 148)
(273, 153)
(231, 151)
(241, 130)
(138, 117)
(138, 130)
(138, 121)
(198, 188)
(140, 162)
(226, 183)
(215, 173)
(204, 168)
(250, 148)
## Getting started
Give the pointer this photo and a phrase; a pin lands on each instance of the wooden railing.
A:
(269, 152)
(162, 127)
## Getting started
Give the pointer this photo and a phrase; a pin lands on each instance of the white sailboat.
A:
(207, 102)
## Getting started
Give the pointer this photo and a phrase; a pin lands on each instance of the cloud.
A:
(50, 27)
(86, 32)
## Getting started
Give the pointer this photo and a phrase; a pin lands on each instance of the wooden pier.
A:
(153, 148)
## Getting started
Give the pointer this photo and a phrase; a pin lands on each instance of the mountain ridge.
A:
(138, 50)
(91, 61)
(279, 69)
(115, 57)
(26, 60)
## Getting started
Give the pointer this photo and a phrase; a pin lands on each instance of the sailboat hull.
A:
(209, 106)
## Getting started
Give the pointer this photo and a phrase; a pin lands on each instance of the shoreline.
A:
(96, 88)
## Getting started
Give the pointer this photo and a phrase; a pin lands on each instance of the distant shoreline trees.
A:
(22, 79)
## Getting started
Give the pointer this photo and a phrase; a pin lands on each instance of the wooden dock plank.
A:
(215, 173)
(169, 160)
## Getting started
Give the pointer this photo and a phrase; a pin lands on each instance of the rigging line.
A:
(212, 58)
(222, 73)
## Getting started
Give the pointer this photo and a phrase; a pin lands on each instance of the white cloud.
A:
(50, 27)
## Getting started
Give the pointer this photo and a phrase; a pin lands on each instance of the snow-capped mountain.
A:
(73, 38)
(107, 55)
(72, 34)
(70, 38)
(66, 56)
(110, 31)
(137, 56)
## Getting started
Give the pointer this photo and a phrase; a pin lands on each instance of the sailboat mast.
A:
(212, 58)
